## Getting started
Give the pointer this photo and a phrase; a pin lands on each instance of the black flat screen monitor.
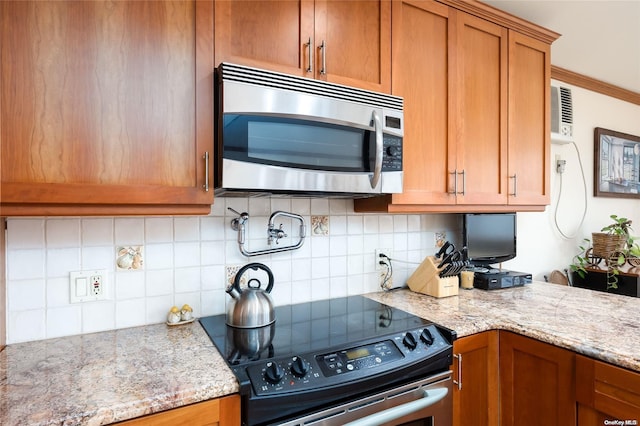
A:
(489, 237)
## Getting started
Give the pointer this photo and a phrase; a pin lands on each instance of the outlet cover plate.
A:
(387, 251)
(88, 286)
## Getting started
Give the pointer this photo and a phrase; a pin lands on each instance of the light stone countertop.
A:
(596, 324)
(101, 378)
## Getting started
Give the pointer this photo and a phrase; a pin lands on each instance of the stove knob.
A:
(273, 373)
(299, 367)
(426, 337)
(410, 341)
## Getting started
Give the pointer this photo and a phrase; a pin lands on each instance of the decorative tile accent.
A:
(441, 237)
(230, 275)
(129, 257)
(320, 225)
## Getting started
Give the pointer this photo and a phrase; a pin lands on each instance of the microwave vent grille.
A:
(241, 73)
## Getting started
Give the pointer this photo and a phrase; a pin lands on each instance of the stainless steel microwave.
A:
(282, 134)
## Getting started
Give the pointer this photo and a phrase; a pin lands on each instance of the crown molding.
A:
(594, 85)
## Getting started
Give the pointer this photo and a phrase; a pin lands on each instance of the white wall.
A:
(541, 247)
(185, 258)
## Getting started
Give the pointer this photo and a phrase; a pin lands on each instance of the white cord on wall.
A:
(584, 213)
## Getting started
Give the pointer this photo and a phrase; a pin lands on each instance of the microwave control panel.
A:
(392, 153)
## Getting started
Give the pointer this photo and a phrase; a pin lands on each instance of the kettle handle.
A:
(255, 267)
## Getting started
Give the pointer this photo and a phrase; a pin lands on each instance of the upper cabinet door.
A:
(353, 43)
(276, 35)
(529, 131)
(479, 110)
(420, 66)
(345, 42)
(107, 107)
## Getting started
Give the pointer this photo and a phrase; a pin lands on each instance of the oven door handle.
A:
(431, 396)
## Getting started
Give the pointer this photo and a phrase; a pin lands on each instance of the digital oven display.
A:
(357, 353)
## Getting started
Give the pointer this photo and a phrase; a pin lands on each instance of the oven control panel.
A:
(358, 358)
(316, 370)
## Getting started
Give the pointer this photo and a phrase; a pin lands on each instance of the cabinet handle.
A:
(515, 184)
(464, 182)
(459, 381)
(455, 182)
(206, 171)
(323, 53)
(310, 65)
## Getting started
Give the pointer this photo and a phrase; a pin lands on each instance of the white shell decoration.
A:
(129, 257)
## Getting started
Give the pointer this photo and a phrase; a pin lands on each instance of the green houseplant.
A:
(581, 260)
(614, 245)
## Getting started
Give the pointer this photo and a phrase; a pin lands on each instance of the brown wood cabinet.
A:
(476, 135)
(537, 383)
(476, 380)
(502, 378)
(478, 93)
(345, 42)
(606, 393)
(216, 412)
(529, 126)
(106, 108)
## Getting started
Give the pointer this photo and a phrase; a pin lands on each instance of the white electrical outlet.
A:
(95, 285)
(378, 259)
(88, 286)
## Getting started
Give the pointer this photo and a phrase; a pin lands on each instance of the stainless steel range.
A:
(338, 361)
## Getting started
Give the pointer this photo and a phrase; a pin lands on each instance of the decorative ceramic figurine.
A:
(186, 313)
(129, 258)
(174, 315)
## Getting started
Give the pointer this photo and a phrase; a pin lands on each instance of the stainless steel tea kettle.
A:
(251, 307)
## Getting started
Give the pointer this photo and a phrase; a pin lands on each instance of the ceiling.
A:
(600, 38)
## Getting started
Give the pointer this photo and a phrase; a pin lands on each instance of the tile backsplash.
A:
(185, 260)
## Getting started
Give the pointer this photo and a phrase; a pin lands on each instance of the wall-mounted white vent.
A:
(561, 115)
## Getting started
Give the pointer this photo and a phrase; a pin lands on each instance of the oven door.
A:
(424, 402)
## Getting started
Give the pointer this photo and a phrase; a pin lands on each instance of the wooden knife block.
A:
(425, 280)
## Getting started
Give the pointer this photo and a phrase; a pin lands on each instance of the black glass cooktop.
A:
(307, 327)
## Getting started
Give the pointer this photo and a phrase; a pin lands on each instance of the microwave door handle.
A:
(431, 397)
(377, 167)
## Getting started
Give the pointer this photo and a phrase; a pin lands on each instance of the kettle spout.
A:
(233, 292)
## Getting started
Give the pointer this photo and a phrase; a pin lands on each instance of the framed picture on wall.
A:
(617, 164)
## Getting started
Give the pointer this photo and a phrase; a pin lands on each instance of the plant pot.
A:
(605, 245)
